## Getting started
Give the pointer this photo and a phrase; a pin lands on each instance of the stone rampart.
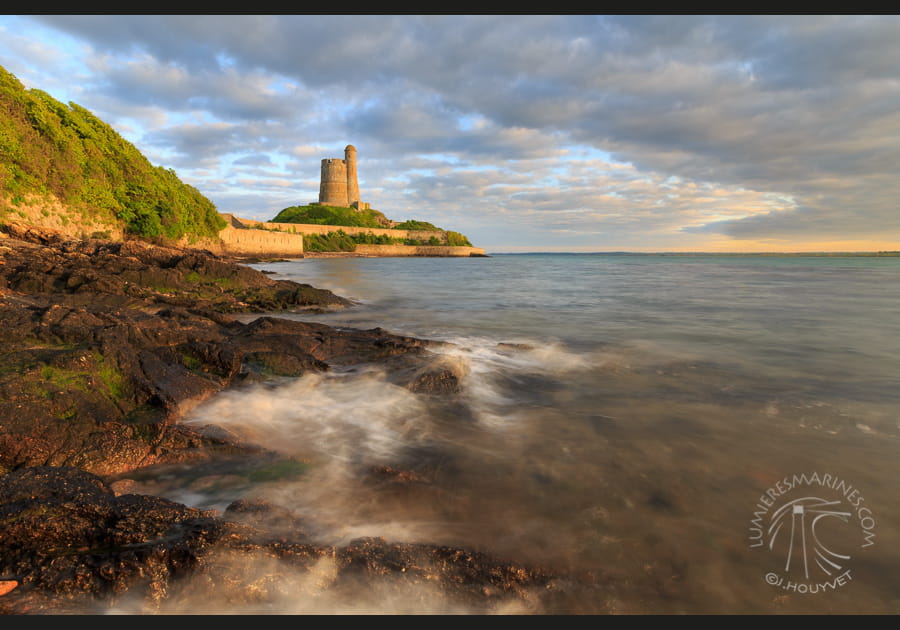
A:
(312, 228)
(418, 250)
(234, 241)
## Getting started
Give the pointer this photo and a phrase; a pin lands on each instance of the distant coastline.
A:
(884, 254)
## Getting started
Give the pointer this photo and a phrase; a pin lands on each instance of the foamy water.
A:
(619, 415)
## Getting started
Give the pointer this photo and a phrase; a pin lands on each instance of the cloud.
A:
(744, 126)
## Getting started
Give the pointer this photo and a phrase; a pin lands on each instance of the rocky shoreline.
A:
(106, 345)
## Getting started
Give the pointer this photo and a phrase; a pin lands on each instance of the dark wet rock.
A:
(661, 501)
(100, 364)
(41, 262)
(605, 425)
(505, 345)
(397, 475)
(72, 545)
(66, 536)
(440, 380)
(281, 364)
(426, 372)
(266, 515)
(318, 342)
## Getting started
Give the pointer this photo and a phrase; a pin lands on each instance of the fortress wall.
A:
(242, 242)
(413, 250)
(312, 228)
(241, 237)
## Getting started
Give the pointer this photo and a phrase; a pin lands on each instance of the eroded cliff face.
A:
(47, 213)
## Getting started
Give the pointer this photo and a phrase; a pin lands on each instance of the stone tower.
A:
(339, 185)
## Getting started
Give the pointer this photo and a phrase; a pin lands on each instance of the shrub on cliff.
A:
(455, 239)
(338, 241)
(49, 148)
(413, 224)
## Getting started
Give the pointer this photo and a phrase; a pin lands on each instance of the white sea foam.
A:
(492, 368)
(348, 418)
(361, 416)
(521, 354)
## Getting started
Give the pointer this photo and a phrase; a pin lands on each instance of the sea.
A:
(692, 434)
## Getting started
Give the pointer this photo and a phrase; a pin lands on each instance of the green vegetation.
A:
(332, 215)
(205, 281)
(48, 148)
(455, 239)
(53, 379)
(340, 241)
(413, 224)
(191, 362)
(112, 379)
(64, 379)
(68, 414)
(277, 471)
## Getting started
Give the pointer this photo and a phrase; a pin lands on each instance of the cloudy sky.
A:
(526, 133)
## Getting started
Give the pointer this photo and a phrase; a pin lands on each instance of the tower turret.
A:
(352, 182)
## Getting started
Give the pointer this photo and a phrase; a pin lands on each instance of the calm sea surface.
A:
(704, 433)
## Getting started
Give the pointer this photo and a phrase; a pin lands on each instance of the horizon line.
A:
(706, 253)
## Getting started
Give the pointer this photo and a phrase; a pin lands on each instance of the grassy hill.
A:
(333, 215)
(62, 159)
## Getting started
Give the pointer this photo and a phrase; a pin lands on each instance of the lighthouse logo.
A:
(810, 525)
